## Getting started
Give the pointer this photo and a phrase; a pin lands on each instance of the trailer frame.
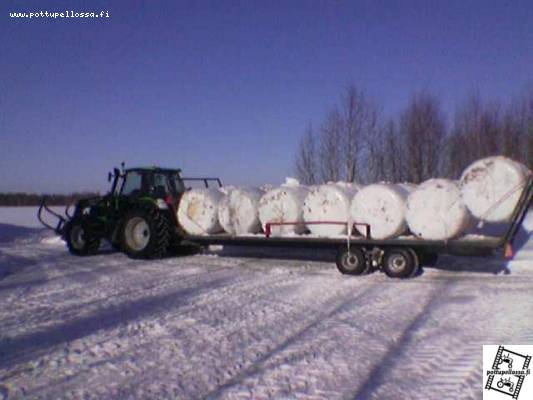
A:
(409, 250)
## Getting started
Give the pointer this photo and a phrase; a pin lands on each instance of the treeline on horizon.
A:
(356, 142)
(33, 199)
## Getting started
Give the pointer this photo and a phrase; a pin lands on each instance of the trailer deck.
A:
(377, 252)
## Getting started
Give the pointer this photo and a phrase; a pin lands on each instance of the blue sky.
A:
(227, 87)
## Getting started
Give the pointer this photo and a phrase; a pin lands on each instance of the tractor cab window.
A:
(179, 186)
(132, 184)
(159, 185)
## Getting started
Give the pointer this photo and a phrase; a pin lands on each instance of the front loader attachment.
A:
(61, 220)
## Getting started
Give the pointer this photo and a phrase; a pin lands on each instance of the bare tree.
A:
(528, 130)
(387, 155)
(359, 126)
(353, 145)
(422, 128)
(307, 158)
(518, 139)
(330, 152)
(478, 132)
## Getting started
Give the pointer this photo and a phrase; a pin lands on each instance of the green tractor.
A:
(137, 216)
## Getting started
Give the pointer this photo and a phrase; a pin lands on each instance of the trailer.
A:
(138, 217)
(398, 258)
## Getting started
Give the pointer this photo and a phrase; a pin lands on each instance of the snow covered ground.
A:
(238, 324)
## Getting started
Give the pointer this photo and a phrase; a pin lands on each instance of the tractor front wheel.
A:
(79, 241)
(145, 233)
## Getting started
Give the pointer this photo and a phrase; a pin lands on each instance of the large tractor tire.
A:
(145, 233)
(78, 238)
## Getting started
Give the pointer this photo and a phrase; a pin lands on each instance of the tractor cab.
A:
(146, 182)
(153, 182)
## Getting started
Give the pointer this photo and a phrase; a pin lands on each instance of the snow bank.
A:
(283, 204)
(435, 210)
(330, 202)
(198, 211)
(383, 207)
(238, 211)
(491, 187)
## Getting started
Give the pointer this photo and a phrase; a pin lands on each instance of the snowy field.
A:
(240, 324)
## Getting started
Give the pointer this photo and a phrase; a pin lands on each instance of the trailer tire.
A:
(145, 233)
(352, 261)
(399, 263)
(79, 242)
(416, 260)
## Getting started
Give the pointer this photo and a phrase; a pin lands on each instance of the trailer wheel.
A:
(78, 239)
(399, 263)
(352, 261)
(416, 260)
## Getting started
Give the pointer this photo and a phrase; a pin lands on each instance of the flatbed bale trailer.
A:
(399, 258)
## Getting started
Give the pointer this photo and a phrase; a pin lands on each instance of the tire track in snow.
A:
(436, 360)
(159, 286)
(240, 312)
(96, 291)
(19, 348)
(311, 339)
(377, 376)
(239, 280)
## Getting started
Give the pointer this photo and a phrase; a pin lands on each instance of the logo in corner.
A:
(506, 371)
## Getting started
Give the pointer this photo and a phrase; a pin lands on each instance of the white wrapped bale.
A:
(328, 203)
(435, 210)
(198, 211)
(491, 187)
(283, 204)
(238, 211)
(383, 207)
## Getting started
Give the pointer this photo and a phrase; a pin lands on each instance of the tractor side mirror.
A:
(109, 176)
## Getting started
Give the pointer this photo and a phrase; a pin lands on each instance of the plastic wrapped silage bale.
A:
(198, 211)
(283, 204)
(491, 187)
(383, 207)
(328, 203)
(435, 210)
(238, 212)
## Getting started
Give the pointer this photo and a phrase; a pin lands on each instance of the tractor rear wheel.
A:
(145, 233)
(79, 241)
